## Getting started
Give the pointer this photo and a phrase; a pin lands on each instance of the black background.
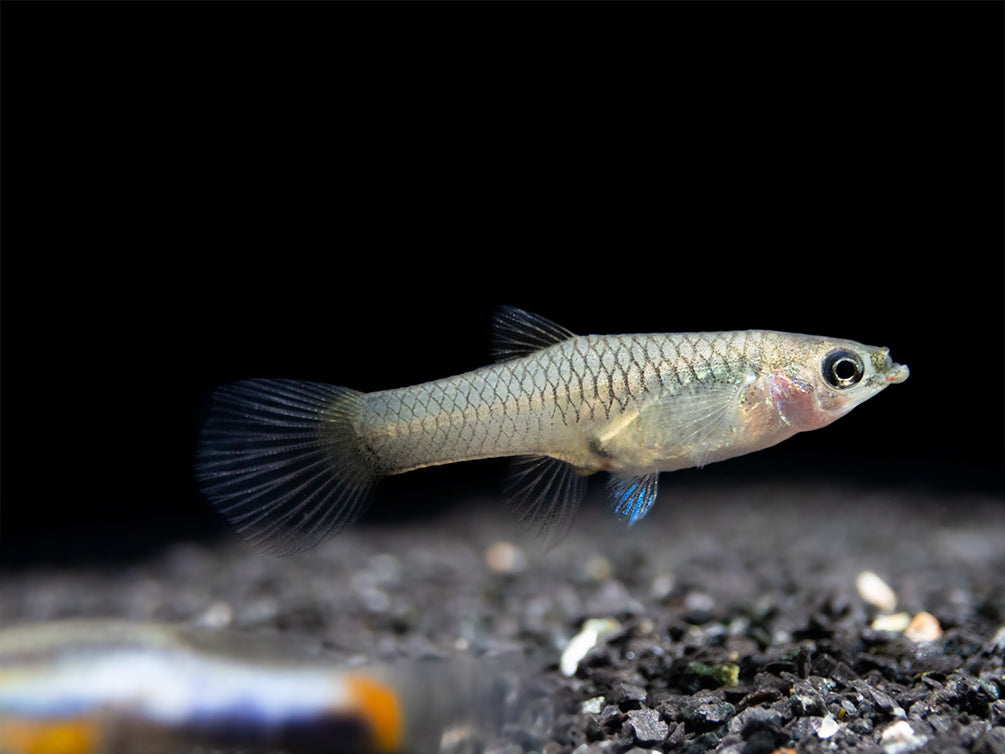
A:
(197, 193)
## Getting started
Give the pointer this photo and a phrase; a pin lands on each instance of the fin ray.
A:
(545, 494)
(282, 461)
(517, 333)
(704, 418)
(634, 496)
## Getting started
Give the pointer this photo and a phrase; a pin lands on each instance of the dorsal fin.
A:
(517, 333)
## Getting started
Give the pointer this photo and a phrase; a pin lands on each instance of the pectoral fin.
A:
(699, 421)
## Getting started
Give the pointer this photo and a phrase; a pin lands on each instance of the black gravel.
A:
(737, 625)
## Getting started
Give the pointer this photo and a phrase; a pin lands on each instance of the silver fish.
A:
(290, 462)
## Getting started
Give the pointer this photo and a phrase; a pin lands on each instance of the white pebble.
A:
(924, 627)
(662, 585)
(900, 738)
(592, 706)
(998, 640)
(505, 557)
(580, 644)
(599, 568)
(875, 591)
(896, 622)
(217, 615)
(828, 727)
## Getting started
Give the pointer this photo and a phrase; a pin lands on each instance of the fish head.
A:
(827, 378)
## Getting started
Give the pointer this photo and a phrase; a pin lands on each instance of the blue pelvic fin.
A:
(545, 494)
(634, 496)
(517, 333)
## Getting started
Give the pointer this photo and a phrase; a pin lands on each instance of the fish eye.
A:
(842, 368)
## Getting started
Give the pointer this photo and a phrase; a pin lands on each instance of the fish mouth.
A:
(897, 373)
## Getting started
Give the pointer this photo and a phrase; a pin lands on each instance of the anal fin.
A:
(545, 494)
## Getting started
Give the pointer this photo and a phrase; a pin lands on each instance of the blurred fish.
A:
(112, 687)
(290, 463)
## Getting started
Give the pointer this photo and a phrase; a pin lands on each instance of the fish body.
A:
(107, 686)
(628, 404)
(569, 406)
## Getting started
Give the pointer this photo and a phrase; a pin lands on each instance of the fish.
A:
(291, 463)
(112, 686)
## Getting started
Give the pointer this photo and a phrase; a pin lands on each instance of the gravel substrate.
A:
(731, 619)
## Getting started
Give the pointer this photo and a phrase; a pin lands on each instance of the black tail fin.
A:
(282, 460)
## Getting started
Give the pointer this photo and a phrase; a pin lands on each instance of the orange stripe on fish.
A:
(381, 707)
(49, 737)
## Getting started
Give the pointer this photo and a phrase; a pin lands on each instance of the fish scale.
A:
(534, 406)
(632, 405)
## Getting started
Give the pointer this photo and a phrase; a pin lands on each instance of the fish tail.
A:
(284, 462)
